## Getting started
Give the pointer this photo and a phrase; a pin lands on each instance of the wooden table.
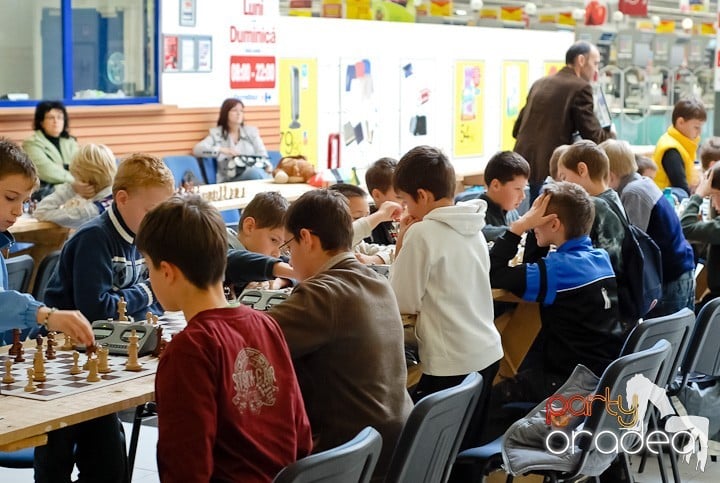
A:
(291, 192)
(45, 236)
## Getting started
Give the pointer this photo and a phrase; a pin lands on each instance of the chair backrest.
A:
(209, 167)
(275, 157)
(432, 435)
(614, 381)
(45, 270)
(702, 353)
(351, 462)
(231, 218)
(675, 328)
(180, 165)
(20, 270)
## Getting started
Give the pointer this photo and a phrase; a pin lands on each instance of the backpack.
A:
(640, 287)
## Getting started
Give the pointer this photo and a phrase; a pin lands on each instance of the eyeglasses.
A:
(285, 249)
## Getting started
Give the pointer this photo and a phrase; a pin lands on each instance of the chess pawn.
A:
(39, 367)
(39, 342)
(93, 374)
(50, 351)
(16, 342)
(19, 355)
(30, 387)
(68, 345)
(75, 369)
(122, 309)
(103, 366)
(7, 377)
(132, 363)
(149, 317)
(89, 351)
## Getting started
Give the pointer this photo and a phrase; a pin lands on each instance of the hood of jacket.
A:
(467, 217)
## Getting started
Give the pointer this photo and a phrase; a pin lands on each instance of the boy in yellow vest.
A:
(676, 149)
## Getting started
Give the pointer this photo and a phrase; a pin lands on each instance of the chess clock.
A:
(115, 335)
(262, 299)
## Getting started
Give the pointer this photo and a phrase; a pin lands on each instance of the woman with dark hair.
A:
(240, 152)
(51, 148)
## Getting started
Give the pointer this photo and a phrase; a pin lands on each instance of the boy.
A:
(709, 153)
(378, 180)
(647, 208)
(97, 266)
(255, 253)
(506, 175)
(94, 165)
(577, 292)
(646, 166)
(18, 179)
(344, 331)
(555, 160)
(442, 274)
(364, 222)
(229, 405)
(676, 150)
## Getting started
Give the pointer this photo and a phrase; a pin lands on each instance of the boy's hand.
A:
(85, 190)
(369, 259)
(705, 187)
(70, 322)
(405, 222)
(535, 216)
(390, 211)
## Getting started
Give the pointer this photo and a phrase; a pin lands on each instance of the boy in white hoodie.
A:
(442, 274)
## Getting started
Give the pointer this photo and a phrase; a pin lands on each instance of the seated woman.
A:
(230, 141)
(51, 147)
(93, 167)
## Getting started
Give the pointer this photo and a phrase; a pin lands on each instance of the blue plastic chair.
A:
(275, 158)
(179, 165)
(209, 167)
(232, 218)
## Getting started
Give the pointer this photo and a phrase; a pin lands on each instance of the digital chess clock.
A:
(115, 335)
(263, 299)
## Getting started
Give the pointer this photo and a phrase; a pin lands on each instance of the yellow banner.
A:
(300, 8)
(441, 8)
(332, 8)
(297, 84)
(551, 67)
(665, 27)
(489, 13)
(566, 18)
(707, 28)
(547, 18)
(358, 9)
(511, 13)
(469, 93)
(514, 95)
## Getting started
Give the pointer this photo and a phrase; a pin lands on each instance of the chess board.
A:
(59, 380)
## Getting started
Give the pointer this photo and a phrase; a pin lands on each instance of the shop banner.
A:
(298, 108)
(468, 106)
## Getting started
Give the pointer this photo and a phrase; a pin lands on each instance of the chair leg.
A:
(142, 411)
(674, 465)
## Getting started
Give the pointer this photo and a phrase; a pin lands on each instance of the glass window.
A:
(113, 51)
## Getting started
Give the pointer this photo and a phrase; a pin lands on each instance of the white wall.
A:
(386, 44)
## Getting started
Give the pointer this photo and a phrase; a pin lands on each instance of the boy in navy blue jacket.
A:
(98, 265)
(576, 289)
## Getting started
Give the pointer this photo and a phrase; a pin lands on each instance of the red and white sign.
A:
(636, 8)
(252, 72)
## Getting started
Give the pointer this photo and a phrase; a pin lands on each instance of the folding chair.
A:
(45, 270)
(20, 270)
(181, 165)
(352, 462)
(432, 435)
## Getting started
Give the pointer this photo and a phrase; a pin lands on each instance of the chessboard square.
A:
(43, 385)
(45, 393)
(77, 384)
(109, 377)
(71, 378)
(10, 387)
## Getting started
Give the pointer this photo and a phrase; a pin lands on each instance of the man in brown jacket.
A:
(343, 327)
(558, 106)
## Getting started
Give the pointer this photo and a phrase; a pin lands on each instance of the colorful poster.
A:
(469, 92)
(552, 66)
(170, 53)
(514, 95)
(359, 119)
(298, 108)
(417, 103)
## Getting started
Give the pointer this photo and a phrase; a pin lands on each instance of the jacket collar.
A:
(626, 180)
(6, 239)
(119, 224)
(580, 243)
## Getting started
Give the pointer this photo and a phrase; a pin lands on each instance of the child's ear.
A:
(248, 224)
(494, 184)
(582, 169)
(425, 196)
(121, 197)
(376, 193)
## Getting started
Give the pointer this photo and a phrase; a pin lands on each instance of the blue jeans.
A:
(677, 294)
(250, 174)
(97, 446)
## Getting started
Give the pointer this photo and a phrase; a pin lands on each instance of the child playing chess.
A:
(94, 165)
(98, 266)
(18, 179)
(379, 183)
(229, 405)
(255, 253)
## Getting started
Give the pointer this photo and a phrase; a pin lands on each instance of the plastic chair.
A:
(209, 168)
(275, 157)
(351, 462)
(432, 435)
(232, 218)
(180, 165)
(702, 355)
(45, 271)
(20, 271)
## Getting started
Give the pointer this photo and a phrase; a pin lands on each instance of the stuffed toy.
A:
(293, 169)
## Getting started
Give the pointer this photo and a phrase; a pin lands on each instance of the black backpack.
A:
(640, 287)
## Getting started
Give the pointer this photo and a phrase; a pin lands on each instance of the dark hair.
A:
(227, 106)
(592, 155)
(715, 184)
(573, 206)
(643, 163)
(578, 48)
(689, 108)
(14, 160)
(43, 108)
(709, 152)
(267, 208)
(325, 213)
(380, 175)
(555, 159)
(348, 190)
(199, 251)
(504, 166)
(425, 167)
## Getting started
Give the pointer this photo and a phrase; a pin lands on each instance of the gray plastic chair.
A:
(702, 354)
(431, 437)
(45, 270)
(20, 270)
(352, 462)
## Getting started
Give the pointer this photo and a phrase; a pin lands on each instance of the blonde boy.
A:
(93, 165)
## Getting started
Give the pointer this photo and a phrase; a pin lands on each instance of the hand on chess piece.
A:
(70, 322)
